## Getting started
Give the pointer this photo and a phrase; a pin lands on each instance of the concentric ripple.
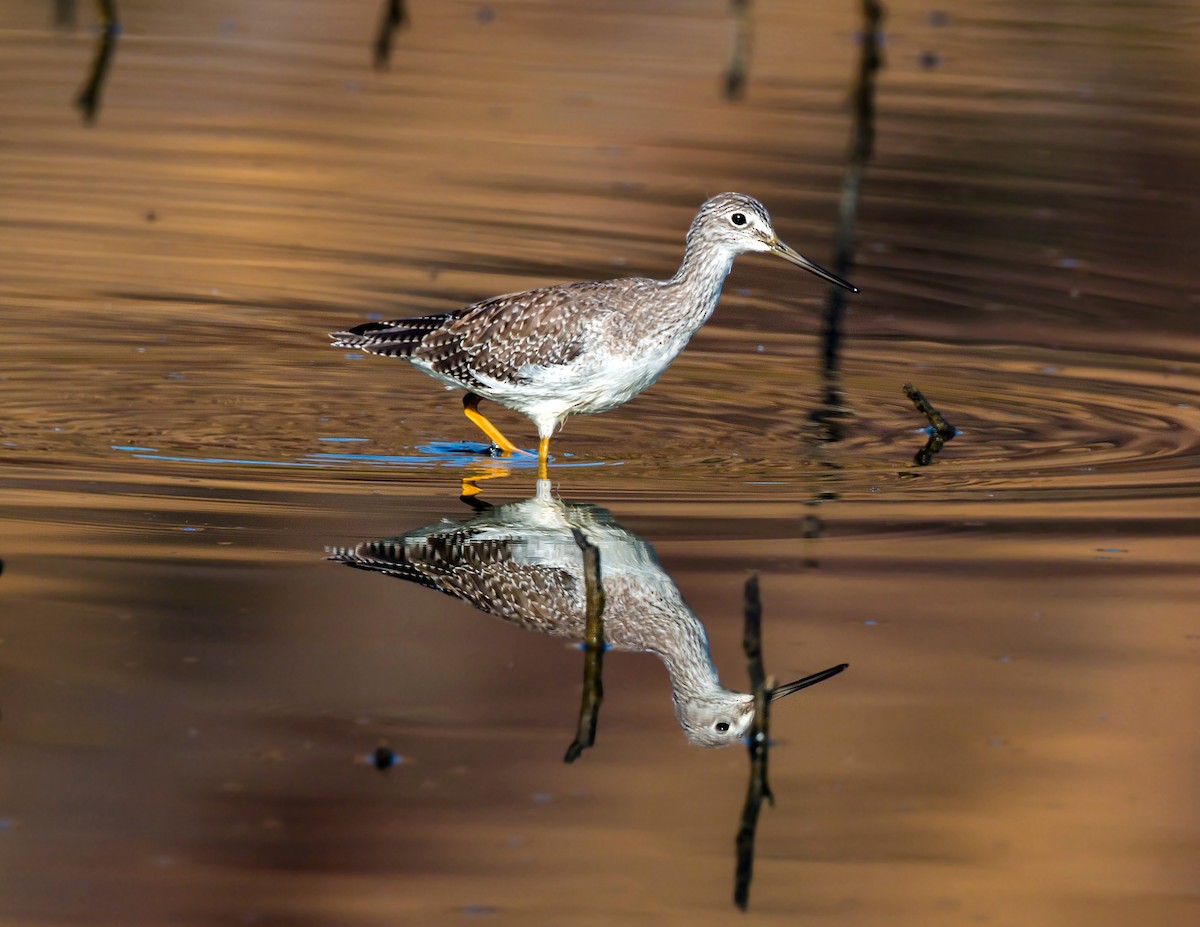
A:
(733, 415)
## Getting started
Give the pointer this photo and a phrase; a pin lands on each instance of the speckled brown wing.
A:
(481, 572)
(499, 337)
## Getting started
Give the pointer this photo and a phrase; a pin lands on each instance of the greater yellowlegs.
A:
(580, 348)
(521, 563)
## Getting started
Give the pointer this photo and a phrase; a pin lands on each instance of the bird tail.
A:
(450, 562)
(390, 339)
(387, 556)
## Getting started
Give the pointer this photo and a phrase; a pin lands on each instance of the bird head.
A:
(740, 223)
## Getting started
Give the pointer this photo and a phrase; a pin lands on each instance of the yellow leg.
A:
(543, 457)
(471, 411)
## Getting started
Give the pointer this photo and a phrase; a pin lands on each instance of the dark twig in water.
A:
(88, 99)
(384, 758)
(758, 790)
(593, 643)
(941, 430)
(735, 77)
(394, 18)
(936, 419)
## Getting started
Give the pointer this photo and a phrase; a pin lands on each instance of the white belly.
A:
(597, 382)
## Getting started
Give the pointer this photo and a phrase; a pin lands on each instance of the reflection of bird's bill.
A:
(789, 688)
(790, 254)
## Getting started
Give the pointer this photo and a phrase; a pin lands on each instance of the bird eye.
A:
(738, 218)
(723, 726)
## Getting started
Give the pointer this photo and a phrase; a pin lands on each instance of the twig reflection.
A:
(89, 96)
(735, 76)
(758, 789)
(593, 645)
(64, 14)
(862, 146)
(827, 420)
(393, 19)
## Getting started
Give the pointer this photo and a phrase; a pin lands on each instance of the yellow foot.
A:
(471, 411)
(543, 457)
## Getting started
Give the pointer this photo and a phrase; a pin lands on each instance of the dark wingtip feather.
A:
(374, 337)
(391, 339)
(373, 328)
(353, 337)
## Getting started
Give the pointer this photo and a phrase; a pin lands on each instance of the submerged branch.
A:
(941, 430)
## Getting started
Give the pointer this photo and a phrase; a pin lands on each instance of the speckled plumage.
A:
(521, 563)
(581, 348)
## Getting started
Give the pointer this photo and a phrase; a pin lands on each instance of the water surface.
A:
(190, 692)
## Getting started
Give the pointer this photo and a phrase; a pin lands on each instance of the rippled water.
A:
(190, 693)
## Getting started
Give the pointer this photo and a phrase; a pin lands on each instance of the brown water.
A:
(189, 691)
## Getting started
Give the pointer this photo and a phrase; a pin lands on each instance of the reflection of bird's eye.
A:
(737, 219)
(722, 726)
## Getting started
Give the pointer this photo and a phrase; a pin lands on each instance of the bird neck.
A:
(645, 613)
(689, 663)
(701, 276)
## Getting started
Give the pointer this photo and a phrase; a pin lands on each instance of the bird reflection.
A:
(521, 562)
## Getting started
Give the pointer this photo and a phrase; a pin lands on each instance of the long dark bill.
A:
(789, 688)
(790, 254)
